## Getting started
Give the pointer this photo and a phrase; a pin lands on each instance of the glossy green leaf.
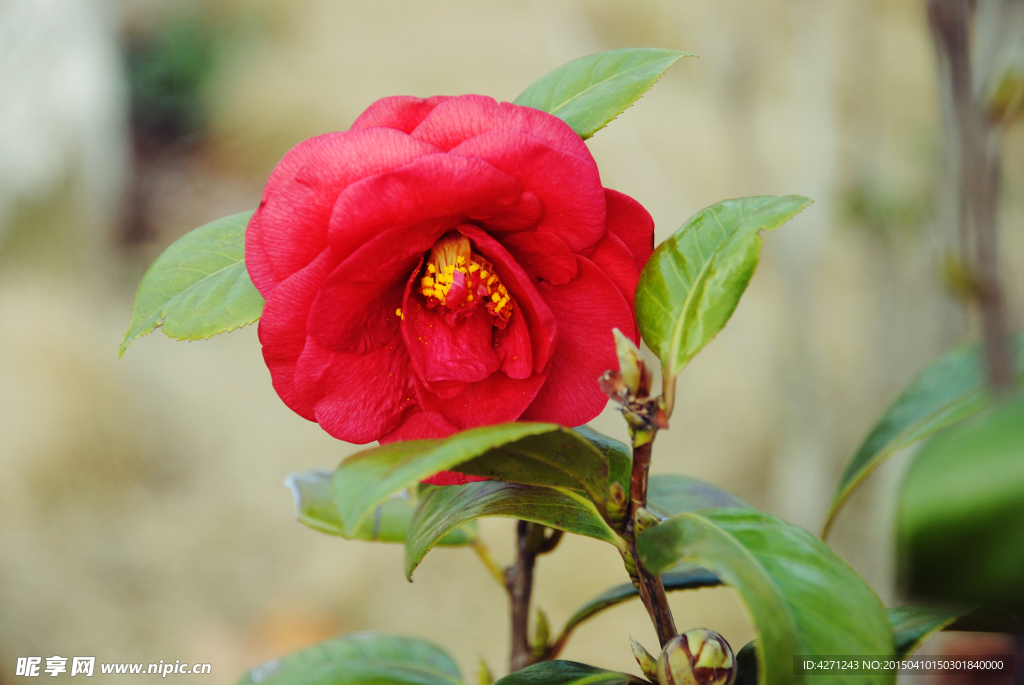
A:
(588, 92)
(568, 673)
(389, 522)
(802, 597)
(560, 458)
(690, 579)
(670, 494)
(949, 390)
(960, 520)
(694, 280)
(617, 454)
(911, 625)
(527, 453)
(360, 659)
(199, 286)
(444, 509)
(366, 479)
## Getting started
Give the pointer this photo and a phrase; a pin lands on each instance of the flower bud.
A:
(632, 366)
(647, 663)
(697, 657)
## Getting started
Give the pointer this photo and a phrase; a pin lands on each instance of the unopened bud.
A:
(647, 662)
(632, 365)
(541, 634)
(697, 657)
(617, 502)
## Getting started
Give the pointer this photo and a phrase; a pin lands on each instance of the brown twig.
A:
(978, 191)
(652, 591)
(530, 541)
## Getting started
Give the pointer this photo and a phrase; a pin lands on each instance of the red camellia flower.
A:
(443, 264)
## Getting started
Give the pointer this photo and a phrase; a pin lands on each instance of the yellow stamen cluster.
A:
(452, 254)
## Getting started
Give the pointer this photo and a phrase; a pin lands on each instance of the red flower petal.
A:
(401, 112)
(463, 117)
(514, 347)
(542, 255)
(586, 309)
(569, 186)
(359, 397)
(419, 425)
(290, 227)
(356, 308)
(430, 187)
(282, 330)
(440, 352)
(452, 478)
(539, 319)
(632, 223)
(612, 257)
(496, 399)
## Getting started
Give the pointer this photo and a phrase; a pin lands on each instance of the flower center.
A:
(458, 281)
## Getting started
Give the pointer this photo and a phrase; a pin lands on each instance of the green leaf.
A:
(199, 286)
(568, 673)
(617, 454)
(560, 458)
(949, 390)
(669, 494)
(803, 599)
(694, 280)
(360, 659)
(690, 579)
(588, 92)
(444, 509)
(960, 520)
(527, 453)
(389, 522)
(911, 625)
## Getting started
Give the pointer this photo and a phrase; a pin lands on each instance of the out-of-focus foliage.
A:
(961, 513)
(168, 72)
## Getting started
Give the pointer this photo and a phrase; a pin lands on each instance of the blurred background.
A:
(142, 515)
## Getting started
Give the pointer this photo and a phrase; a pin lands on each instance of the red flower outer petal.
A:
(289, 228)
(401, 112)
(633, 224)
(613, 258)
(586, 310)
(460, 118)
(431, 186)
(569, 186)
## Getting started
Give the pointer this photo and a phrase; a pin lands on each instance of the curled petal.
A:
(612, 257)
(400, 112)
(460, 118)
(632, 224)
